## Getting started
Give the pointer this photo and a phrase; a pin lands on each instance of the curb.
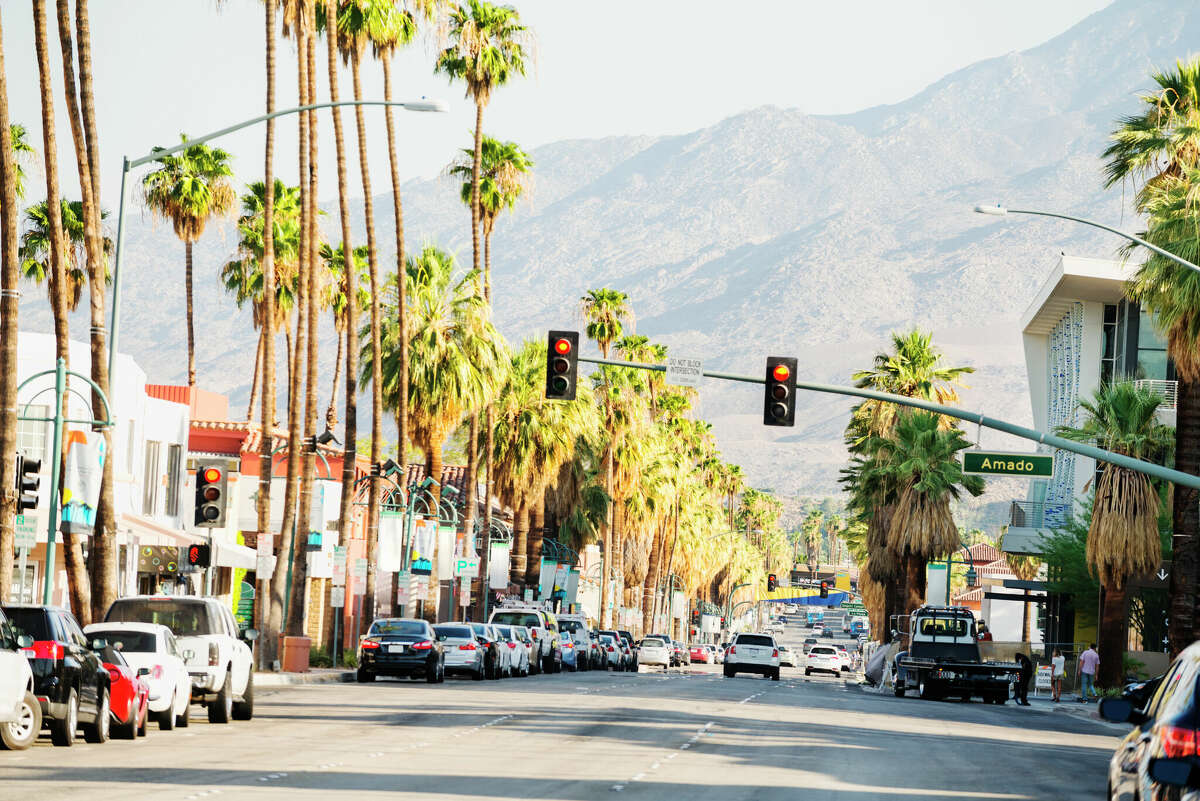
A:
(288, 679)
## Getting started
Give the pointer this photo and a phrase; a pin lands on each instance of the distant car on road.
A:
(819, 630)
(655, 651)
(809, 642)
(698, 653)
(786, 658)
(753, 653)
(822, 659)
(401, 647)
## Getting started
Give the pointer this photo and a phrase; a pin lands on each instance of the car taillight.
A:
(730, 651)
(1177, 741)
(610, 648)
(467, 647)
(568, 645)
(214, 654)
(114, 675)
(370, 644)
(46, 649)
(512, 645)
(156, 672)
(775, 652)
(534, 633)
(423, 645)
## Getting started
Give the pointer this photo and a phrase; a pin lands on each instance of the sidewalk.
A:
(314, 676)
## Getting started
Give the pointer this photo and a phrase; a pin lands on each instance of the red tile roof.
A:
(252, 434)
(981, 552)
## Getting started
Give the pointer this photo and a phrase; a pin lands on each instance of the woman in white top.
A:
(1060, 670)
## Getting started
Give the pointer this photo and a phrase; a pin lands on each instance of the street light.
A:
(424, 104)
(1001, 211)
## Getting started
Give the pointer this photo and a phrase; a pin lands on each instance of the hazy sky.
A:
(659, 67)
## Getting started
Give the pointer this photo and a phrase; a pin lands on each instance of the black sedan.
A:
(1162, 747)
(401, 647)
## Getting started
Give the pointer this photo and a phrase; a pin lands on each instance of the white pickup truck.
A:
(753, 653)
(20, 712)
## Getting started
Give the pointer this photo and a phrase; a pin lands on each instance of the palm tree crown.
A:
(486, 48)
(190, 188)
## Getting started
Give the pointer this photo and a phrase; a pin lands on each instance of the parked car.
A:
(631, 644)
(614, 653)
(698, 653)
(573, 631)
(518, 654)
(822, 659)
(682, 655)
(20, 712)
(621, 647)
(1155, 759)
(846, 659)
(461, 650)
(401, 647)
(497, 658)
(718, 654)
(525, 641)
(655, 651)
(128, 695)
(786, 658)
(542, 628)
(69, 680)
(217, 656)
(598, 661)
(753, 653)
(152, 648)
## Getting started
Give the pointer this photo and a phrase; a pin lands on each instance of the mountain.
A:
(779, 232)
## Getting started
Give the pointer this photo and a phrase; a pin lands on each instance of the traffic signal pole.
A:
(1032, 434)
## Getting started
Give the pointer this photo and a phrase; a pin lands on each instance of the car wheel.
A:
(478, 674)
(166, 718)
(20, 733)
(184, 717)
(128, 729)
(775, 675)
(244, 709)
(62, 731)
(220, 710)
(730, 672)
(97, 731)
(364, 676)
(141, 730)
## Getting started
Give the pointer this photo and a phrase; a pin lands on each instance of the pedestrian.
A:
(1089, 660)
(985, 634)
(1023, 677)
(1057, 673)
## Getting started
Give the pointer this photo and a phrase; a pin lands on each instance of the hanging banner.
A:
(560, 579)
(445, 553)
(391, 530)
(546, 578)
(498, 566)
(81, 482)
(678, 605)
(424, 537)
(572, 586)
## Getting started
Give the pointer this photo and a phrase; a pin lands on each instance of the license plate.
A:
(395, 649)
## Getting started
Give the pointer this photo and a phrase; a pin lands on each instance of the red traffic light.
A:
(781, 372)
(211, 475)
(562, 346)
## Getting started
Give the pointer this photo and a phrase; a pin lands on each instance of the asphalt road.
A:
(683, 734)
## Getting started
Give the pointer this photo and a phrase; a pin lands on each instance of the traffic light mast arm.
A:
(1137, 465)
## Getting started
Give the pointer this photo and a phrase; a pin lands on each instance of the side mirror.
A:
(99, 645)
(24, 641)
(895, 634)
(143, 671)
(1120, 710)
(1176, 772)
(250, 635)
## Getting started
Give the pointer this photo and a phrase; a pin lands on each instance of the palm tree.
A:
(22, 150)
(189, 189)
(1156, 150)
(9, 272)
(334, 262)
(1123, 539)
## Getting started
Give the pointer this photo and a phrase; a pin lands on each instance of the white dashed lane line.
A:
(616, 788)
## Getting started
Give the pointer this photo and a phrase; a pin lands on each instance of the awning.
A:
(1025, 541)
(227, 554)
(150, 533)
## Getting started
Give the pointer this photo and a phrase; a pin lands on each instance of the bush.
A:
(318, 656)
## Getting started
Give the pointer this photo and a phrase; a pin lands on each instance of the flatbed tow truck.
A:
(943, 661)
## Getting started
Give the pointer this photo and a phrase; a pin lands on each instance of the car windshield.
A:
(130, 642)
(754, 639)
(32, 621)
(187, 618)
(412, 628)
(454, 632)
(517, 619)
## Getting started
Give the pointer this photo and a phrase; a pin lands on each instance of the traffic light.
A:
(824, 589)
(28, 482)
(695, 617)
(779, 399)
(772, 583)
(199, 555)
(212, 495)
(562, 364)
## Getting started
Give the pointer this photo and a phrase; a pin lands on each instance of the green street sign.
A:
(854, 609)
(1001, 463)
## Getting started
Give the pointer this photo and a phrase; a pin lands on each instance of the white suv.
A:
(576, 628)
(542, 627)
(20, 712)
(753, 653)
(822, 658)
(219, 661)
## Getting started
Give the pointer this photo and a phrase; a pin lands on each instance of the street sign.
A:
(402, 594)
(266, 543)
(1003, 463)
(421, 591)
(1159, 579)
(337, 597)
(26, 534)
(684, 372)
(854, 609)
(464, 597)
(360, 568)
(337, 572)
(466, 567)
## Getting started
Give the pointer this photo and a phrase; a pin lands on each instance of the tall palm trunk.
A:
(606, 536)
(265, 454)
(650, 585)
(256, 381)
(331, 411)
(350, 434)
(376, 367)
(1185, 518)
(1112, 636)
(191, 330)
(77, 578)
(295, 347)
(537, 534)
(9, 272)
(521, 543)
(914, 584)
(298, 600)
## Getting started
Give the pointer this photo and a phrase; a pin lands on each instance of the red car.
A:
(129, 696)
(699, 653)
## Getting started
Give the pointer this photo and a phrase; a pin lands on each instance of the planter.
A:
(293, 654)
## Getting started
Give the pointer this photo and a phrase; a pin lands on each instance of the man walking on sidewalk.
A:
(1026, 673)
(1089, 660)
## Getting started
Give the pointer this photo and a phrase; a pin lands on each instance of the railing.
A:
(1035, 514)
(1167, 390)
